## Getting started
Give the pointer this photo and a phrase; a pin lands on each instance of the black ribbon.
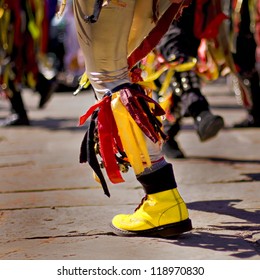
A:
(88, 154)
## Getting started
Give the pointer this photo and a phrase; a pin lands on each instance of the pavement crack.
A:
(71, 235)
(16, 164)
(48, 190)
(233, 181)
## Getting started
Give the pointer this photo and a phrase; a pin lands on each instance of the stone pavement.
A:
(51, 207)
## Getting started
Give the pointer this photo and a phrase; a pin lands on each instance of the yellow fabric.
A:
(151, 73)
(131, 136)
(6, 39)
(84, 81)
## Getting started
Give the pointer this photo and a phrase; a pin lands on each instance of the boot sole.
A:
(212, 129)
(168, 230)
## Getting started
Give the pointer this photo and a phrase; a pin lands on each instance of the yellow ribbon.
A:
(131, 136)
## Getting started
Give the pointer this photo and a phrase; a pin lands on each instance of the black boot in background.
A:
(171, 148)
(195, 105)
(46, 88)
(18, 116)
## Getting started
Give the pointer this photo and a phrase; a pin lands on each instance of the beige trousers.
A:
(107, 43)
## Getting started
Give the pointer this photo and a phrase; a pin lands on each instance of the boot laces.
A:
(142, 202)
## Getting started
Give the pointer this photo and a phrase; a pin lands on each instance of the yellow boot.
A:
(161, 214)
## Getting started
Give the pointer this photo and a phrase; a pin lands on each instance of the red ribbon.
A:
(108, 149)
(90, 111)
(206, 23)
(109, 139)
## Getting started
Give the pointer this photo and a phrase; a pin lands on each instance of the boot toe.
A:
(128, 222)
(208, 125)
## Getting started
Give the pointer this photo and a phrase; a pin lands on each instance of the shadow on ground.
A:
(212, 237)
(59, 124)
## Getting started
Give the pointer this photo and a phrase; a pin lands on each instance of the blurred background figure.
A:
(182, 96)
(65, 50)
(212, 39)
(24, 43)
(246, 30)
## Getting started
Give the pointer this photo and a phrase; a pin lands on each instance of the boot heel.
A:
(175, 229)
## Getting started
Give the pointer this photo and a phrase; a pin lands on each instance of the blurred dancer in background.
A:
(245, 17)
(180, 46)
(23, 45)
(64, 48)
